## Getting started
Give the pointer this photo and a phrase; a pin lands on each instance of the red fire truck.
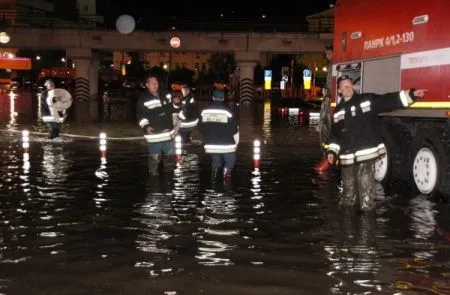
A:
(390, 45)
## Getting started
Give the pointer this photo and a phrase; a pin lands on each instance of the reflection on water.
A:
(257, 196)
(217, 231)
(103, 178)
(156, 215)
(423, 217)
(54, 165)
(16, 109)
(12, 111)
(354, 256)
(72, 223)
(266, 120)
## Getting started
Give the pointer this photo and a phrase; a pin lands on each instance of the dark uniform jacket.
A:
(219, 128)
(189, 114)
(355, 130)
(156, 112)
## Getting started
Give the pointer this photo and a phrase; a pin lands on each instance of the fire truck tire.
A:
(427, 162)
(383, 165)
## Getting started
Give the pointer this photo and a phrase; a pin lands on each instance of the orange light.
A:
(15, 63)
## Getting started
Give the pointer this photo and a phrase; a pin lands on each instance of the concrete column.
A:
(246, 61)
(94, 99)
(81, 57)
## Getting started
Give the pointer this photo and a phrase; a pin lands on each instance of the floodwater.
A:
(74, 223)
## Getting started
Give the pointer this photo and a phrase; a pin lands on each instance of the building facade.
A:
(50, 13)
(321, 22)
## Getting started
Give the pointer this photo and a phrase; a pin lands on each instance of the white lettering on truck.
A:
(392, 40)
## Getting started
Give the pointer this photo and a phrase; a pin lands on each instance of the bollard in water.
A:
(102, 143)
(256, 153)
(25, 140)
(178, 148)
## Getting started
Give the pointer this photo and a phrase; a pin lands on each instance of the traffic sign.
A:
(267, 74)
(307, 73)
(284, 78)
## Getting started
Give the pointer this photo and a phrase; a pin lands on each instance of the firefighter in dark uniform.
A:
(154, 114)
(188, 115)
(53, 109)
(356, 138)
(219, 128)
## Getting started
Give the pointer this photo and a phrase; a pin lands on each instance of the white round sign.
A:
(4, 37)
(63, 99)
(175, 42)
(125, 24)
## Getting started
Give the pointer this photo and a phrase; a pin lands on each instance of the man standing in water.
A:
(355, 138)
(54, 106)
(220, 131)
(154, 114)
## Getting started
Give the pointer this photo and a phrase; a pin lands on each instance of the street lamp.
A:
(4, 37)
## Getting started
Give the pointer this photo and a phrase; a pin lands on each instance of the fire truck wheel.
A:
(383, 164)
(427, 162)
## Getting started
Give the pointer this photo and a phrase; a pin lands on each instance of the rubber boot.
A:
(227, 175)
(366, 185)
(349, 188)
(153, 163)
(168, 163)
(215, 173)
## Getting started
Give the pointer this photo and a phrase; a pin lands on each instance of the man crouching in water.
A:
(355, 137)
(154, 114)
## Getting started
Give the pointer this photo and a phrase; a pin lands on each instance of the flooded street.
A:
(73, 223)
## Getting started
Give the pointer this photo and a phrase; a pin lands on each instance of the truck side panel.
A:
(430, 70)
(387, 28)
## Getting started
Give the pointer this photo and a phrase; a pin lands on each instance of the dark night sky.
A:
(159, 12)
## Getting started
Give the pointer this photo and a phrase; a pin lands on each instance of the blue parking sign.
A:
(307, 73)
(267, 74)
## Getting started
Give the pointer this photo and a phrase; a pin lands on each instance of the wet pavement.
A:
(73, 223)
